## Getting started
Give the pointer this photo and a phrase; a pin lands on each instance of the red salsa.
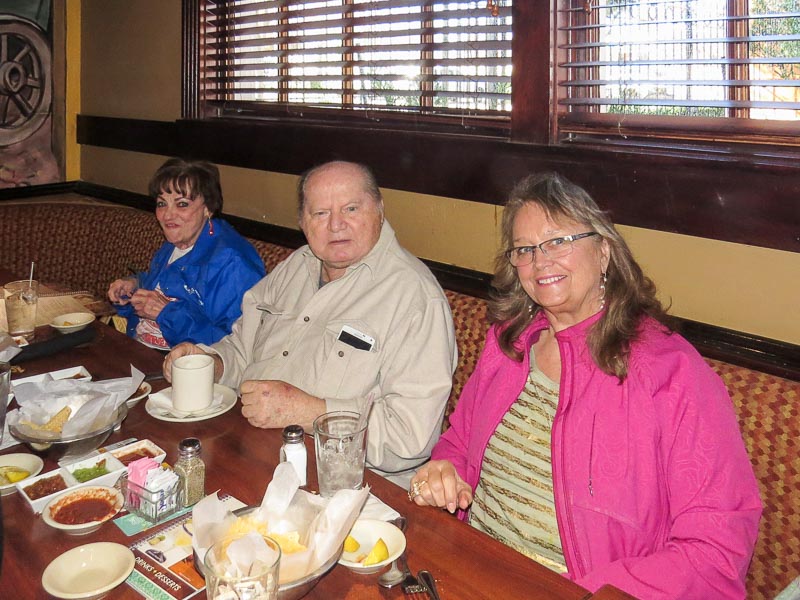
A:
(83, 510)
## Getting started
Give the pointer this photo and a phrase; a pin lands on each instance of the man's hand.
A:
(184, 349)
(275, 404)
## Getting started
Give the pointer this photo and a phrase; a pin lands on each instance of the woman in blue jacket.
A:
(193, 290)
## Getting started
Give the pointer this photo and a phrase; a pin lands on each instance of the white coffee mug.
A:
(192, 382)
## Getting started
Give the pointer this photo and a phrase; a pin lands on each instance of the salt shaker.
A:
(191, 470)
(294, 450)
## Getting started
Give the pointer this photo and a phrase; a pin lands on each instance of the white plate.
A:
(113, 495)
(144, 390)
(367, 532)
(229, 398)
(72, 322)
(22, 460)
(77, 373)
(88, 571)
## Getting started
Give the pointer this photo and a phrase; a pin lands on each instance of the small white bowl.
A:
(27, 462)
(72, 322)
(112, 495)
(157, 453)
(367, 532)
(142, 392)
(88, 571)
(112, 465)
(38, 504)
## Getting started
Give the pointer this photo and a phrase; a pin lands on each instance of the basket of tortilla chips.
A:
(309, 529)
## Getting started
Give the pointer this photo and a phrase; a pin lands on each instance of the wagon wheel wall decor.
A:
(25, 79)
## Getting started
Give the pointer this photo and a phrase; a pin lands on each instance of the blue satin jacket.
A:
(208, 282)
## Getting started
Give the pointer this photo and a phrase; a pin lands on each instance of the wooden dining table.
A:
(240, 459)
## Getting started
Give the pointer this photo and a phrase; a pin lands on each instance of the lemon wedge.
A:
(379, 553)
(14, 474)
(351, 544)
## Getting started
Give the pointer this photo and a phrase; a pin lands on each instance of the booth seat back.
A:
(83, 245)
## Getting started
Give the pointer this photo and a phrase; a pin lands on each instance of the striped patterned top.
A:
(514, 498)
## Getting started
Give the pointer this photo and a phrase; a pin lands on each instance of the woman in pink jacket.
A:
(590, 436)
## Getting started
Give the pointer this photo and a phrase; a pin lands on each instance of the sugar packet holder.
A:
(151, 491)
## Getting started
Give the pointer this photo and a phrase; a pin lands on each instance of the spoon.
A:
(395, 574)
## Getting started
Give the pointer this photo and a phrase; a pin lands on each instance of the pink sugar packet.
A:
(138, 469)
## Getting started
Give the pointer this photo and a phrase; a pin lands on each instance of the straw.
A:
(30, 279)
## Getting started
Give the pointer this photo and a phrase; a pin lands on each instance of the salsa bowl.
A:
(83, 510)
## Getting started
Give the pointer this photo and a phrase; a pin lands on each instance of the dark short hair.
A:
(367, 179)
(192, 178)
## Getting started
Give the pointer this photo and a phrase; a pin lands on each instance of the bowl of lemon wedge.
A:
(17, 467)
(371, 546)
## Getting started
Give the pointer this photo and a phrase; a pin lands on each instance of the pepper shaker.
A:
(191, 470)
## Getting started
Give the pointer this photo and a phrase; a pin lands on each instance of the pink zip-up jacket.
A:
(654, 491)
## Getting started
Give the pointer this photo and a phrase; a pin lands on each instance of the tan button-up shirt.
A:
(290, 329)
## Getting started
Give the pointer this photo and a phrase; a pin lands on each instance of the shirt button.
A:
(341, 353)
(306, 319)
(286, 353)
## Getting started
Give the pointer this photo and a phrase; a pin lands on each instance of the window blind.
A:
(680, 58)
(418, 56)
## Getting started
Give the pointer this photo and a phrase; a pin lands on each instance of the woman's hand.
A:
(438, 484)
(184, 349)
(121, 290)
(148, 304)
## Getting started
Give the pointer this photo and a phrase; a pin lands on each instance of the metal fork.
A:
(411, 586)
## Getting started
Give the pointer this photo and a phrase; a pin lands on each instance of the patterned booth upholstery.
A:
(88, 245)
(84, 245)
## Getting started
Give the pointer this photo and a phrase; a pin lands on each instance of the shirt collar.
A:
(371, 261)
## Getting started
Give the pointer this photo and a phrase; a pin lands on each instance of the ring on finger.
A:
(415, 490)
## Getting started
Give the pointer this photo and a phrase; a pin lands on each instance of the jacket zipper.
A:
(564, 497)
(591, 456)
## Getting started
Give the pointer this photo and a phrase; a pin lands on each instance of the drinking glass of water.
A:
(340, 440)
(22, 298)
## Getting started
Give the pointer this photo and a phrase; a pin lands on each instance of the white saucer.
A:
(229, 398)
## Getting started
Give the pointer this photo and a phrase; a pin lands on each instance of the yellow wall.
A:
(72, 23)
(130, 67)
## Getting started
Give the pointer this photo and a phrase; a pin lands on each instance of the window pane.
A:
(420, 56)
(695, 58)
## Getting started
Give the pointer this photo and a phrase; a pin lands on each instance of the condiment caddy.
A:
(108, 467)
(112, 464)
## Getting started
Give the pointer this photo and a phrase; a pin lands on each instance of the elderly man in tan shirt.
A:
(349, 315)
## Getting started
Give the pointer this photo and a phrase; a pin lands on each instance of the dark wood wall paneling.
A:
(722, 197)
(755, 352)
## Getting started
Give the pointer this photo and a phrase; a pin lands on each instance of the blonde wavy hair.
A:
(629, 295)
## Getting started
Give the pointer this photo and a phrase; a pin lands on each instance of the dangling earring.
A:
(530, 308)
(603, 280)
(210, 226)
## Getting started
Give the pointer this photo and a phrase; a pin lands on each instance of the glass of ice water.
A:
(22, 298)
(341, 449)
